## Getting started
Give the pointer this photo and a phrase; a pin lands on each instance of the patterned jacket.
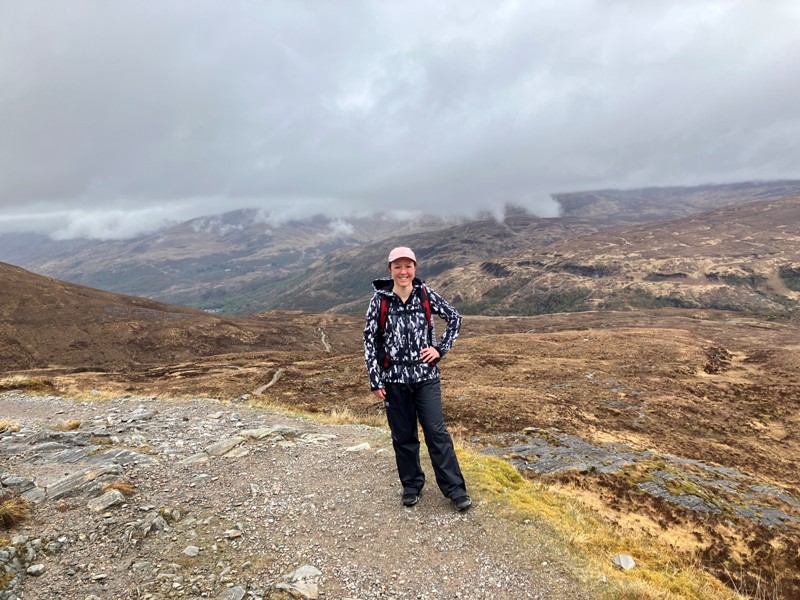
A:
(405, 335)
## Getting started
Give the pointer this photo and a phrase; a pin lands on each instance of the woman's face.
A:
(403, 271)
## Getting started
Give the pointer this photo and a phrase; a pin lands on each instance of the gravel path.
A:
(301, 495)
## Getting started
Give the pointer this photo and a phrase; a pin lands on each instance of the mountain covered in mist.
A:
(220, 262)
(239, 263)
(740, 257)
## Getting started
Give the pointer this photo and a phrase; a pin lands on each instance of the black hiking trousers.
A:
(405, 405)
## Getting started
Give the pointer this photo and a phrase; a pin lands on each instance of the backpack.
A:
(384, 314)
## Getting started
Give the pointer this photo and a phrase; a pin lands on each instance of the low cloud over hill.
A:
(744, 257)
(244, 262)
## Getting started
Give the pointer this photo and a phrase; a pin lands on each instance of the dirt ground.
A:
(723, 388)
(302, 496)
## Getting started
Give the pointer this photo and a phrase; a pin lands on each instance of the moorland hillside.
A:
(245, 262)
(46, 323)
(678, 424)
(741, 257)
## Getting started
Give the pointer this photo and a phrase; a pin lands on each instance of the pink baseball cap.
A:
(402, 252)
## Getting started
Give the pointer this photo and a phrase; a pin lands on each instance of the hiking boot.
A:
(410, 499)
(462, 503)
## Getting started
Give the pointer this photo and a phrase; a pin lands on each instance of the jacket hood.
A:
(384, 285)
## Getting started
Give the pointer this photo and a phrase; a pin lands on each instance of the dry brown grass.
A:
(93, 395)
(345, 416)
(337, 415)
(762, 590)
(70, 425)
(13, 510)
(121, 485)
(9, 426)
(27, 383)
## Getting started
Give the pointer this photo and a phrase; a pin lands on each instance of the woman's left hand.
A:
(430, 355)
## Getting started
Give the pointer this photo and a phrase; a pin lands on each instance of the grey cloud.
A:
(119, 117)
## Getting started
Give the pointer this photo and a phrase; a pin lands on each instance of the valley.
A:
(655, 392)
(638, 355)
(642, 248)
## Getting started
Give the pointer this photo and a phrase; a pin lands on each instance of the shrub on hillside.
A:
(791, 277)
(13, 509)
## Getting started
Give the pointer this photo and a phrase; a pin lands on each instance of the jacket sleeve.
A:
(371, 343)
(445, 310)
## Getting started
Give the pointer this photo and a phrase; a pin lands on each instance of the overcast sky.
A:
(117, 117)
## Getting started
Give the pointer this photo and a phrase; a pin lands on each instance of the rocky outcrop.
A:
(92, 459)
(691, 484)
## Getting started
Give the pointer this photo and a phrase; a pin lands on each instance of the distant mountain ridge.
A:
(648, 205)
(214, 262)
(238, 263)
(742, 257)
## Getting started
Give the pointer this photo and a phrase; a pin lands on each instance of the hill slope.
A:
(744, 257)
(343, 279)
(611, 208)
(492, 267)
(209, 262)
(49, 323)
(240, 263)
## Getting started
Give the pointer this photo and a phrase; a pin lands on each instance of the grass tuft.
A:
(13, 510)
(70, 425)
(345, 416)
(760, 590)
(79, 395)
(121, 485)
(5, 579)
(338, 415)
(7, 426)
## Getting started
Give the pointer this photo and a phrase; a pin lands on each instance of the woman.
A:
(402, 360)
